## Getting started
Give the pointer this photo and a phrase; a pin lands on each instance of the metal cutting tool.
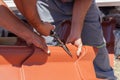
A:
(53, 34)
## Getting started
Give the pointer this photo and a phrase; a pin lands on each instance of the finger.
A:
(82, 54)
(79, 50)
(78, 44)
(42, 45)
(51, 26)
(39, 42)
(45, 48)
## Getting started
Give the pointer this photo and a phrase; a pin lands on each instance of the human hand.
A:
(38, 41)
(78, 43)
(45, 28)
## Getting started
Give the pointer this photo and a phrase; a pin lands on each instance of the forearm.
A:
(9, 21)
(80, 9)
(29, 10)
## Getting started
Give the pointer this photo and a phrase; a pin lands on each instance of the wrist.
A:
(39, 28)
(38, 25)
(76, 31)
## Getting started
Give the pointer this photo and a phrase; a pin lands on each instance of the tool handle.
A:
(53, 34)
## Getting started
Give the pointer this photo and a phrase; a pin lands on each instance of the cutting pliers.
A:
(53, 34)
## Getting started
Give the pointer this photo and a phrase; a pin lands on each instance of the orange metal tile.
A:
(8, 72)
(60, 66)
(10, 61)
(41, 66)
(14, 55)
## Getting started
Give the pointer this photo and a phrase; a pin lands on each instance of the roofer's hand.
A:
(78, 43)
(45, 28)
(39, 42)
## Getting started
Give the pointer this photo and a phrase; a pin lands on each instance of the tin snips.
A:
(53, 34)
